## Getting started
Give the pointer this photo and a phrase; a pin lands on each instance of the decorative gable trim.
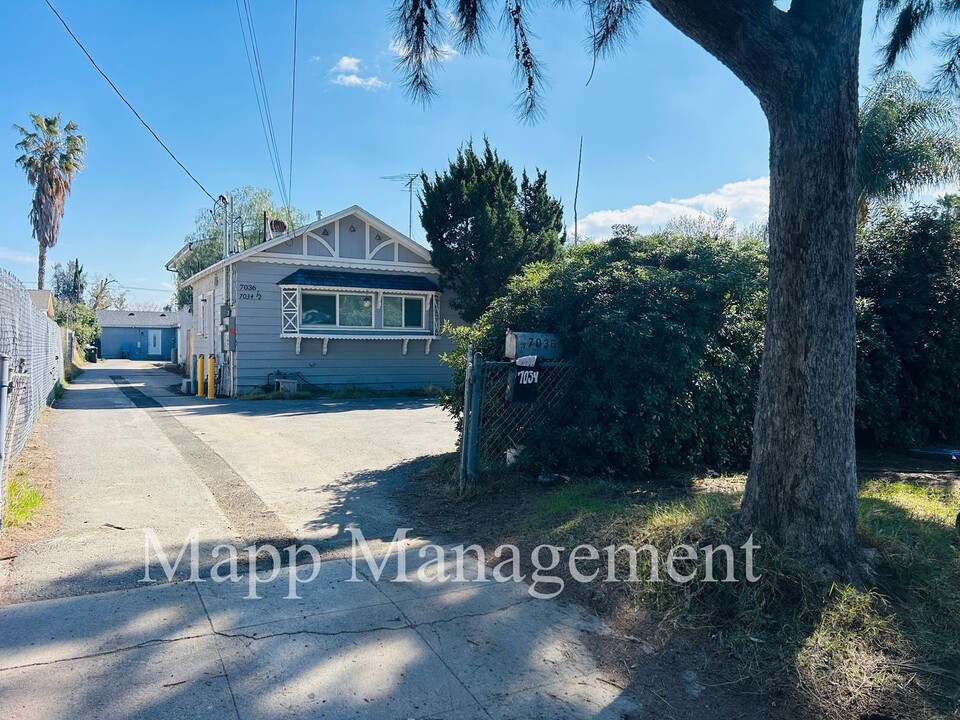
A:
(263, 253)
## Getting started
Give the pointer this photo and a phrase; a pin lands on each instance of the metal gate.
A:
(497, 433)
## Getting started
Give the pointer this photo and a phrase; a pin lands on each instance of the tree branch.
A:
(751, 37)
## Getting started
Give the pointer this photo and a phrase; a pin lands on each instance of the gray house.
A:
(345, 300)
(137, 335)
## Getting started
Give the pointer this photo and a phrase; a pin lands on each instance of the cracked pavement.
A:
(82, 636)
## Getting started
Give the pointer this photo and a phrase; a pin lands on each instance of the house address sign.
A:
(544, 345)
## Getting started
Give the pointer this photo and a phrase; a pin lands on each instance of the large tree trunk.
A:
(802, 64)
(41, 264)
(802, 486)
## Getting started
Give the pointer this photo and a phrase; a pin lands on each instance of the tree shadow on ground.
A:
(345, 648)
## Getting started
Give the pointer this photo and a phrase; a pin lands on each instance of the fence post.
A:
(465, 424)
(4, 407)
(476, 397)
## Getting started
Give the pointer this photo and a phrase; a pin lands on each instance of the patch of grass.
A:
(24, 500)
(355, 392)
(891, 651)
(277, 395)
(60, 388)
(349, 392)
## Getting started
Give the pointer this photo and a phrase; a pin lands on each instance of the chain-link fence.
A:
(501, 428)
(34, 348)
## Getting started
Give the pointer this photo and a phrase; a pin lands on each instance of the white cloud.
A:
(347, 72)
(367, 83)
(346, 64)
(444, 53)
(746, 201)
(16, 256)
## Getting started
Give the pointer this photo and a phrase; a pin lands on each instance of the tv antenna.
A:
(408, 180)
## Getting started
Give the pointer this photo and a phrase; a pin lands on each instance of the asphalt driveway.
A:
(131, 456)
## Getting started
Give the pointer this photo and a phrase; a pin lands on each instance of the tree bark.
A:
(41, 264)
(803, 66)
(802, 486)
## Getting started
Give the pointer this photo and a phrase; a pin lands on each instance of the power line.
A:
(256, 91)
(293, 106)
(260, 90)
(127, 102)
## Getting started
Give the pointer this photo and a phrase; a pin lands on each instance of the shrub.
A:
(667, 329)
(79, 318)
(909, 325)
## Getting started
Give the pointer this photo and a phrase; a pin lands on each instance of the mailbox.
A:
(543, 345)
(523, 385)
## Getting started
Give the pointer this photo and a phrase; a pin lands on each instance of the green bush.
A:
(908, 279)
(667, 329)
(79, 318)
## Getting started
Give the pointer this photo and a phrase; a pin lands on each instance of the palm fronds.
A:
(909, 140)
(51, 156)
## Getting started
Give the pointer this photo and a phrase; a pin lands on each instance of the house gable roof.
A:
(273, 250)
(43, 300)
(366, 281)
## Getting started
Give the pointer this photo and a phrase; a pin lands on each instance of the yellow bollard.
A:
(199, 375)
(210, 383)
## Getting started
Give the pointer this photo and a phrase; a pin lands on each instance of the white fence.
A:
(32, 344)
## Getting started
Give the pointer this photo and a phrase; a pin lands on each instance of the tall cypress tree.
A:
(482, 228)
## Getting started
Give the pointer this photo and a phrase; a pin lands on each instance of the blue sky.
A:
(666, 128)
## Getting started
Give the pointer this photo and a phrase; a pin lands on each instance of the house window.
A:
(402, 312)
(343, 310)
(317, 309)
(355, 311)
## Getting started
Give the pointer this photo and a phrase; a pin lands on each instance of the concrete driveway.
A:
(131, 455)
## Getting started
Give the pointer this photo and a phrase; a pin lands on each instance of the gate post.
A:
(465, 423)
(476, 396)
(4, 412)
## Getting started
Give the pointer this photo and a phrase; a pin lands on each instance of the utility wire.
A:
(260, 88)
(127, 102)
(256, 91)
(293, 106)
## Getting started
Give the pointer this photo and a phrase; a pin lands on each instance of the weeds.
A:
(24, 500)
(349, 392)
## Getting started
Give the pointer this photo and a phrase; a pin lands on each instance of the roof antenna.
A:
(408, 180)
(576, 195)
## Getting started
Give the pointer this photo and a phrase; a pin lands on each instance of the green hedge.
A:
(668, 332)
(908, 279)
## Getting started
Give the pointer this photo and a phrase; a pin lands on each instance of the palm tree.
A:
(909, 141)
(51, 157)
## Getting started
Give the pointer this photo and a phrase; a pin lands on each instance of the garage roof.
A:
(137, 318)
(365, 281)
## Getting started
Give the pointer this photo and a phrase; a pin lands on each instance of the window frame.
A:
(403, 312)
(336, 294)
(336, 309)
(373, 314)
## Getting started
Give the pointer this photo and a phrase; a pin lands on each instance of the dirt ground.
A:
(36, 459)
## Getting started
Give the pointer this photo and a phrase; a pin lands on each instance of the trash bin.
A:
(91, 351)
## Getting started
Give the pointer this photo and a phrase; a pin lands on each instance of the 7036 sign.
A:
(543, 345)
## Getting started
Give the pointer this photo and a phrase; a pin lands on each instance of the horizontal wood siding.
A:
(377, 363)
